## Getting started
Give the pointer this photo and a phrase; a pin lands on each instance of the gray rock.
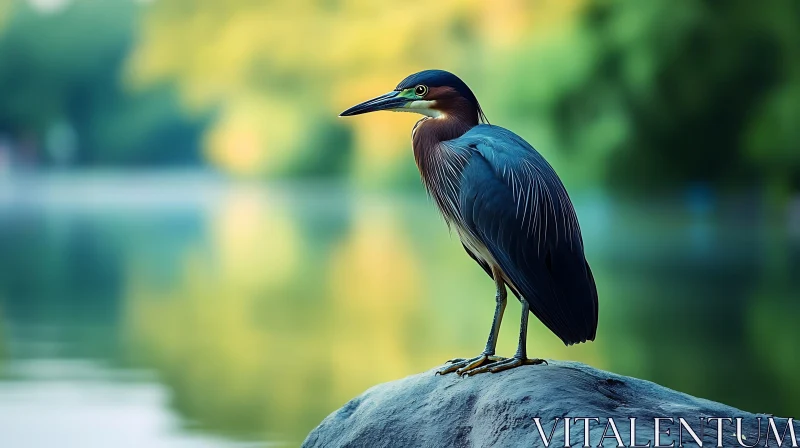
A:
(487, 410)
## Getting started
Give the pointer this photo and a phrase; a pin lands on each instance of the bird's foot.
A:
(506, 364)
(462, 365)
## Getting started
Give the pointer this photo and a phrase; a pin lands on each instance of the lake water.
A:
(188, 311)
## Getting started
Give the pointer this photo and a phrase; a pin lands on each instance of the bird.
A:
(509, 208)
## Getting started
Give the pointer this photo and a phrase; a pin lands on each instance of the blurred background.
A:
(195, 251)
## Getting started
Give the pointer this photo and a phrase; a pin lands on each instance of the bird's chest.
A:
(441, 171)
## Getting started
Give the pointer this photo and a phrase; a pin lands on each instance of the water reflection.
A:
(58, 402)
(208, 313)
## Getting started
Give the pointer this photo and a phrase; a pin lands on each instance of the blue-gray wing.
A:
(513, 201)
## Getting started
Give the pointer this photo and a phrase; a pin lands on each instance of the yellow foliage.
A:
(267, 64)
(254, 135)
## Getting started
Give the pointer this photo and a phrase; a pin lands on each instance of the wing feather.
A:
(511, 199)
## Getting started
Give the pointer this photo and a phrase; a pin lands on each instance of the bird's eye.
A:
(421, 90)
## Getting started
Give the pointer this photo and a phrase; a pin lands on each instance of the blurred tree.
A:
(60, 78)
(281, 71)
(772, 136)
(636, 94)
(698, 90)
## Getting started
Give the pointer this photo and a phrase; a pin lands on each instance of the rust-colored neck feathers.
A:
(457, 117)
(438, 165)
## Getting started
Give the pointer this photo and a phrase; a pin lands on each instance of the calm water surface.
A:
(185, 311)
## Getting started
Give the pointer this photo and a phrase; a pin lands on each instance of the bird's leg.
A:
(521, 357)
(461, 365)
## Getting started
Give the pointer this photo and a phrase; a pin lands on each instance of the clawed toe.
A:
(462, 366)
(515, 362)
(484, 363)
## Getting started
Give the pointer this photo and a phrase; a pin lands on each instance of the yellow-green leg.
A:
(521, 357)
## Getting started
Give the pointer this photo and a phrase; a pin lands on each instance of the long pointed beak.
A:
(387, 101)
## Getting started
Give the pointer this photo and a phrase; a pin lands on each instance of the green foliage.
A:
(637, 95)
(64, 68)
(328, 151)
(685, 92)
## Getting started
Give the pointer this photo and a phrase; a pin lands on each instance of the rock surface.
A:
(428, 410)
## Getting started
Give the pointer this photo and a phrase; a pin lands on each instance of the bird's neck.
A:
(437, 162)
(429, 133)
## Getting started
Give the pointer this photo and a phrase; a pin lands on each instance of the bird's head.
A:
(435, 93)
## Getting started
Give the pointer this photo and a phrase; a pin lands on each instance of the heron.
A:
(509, 208)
